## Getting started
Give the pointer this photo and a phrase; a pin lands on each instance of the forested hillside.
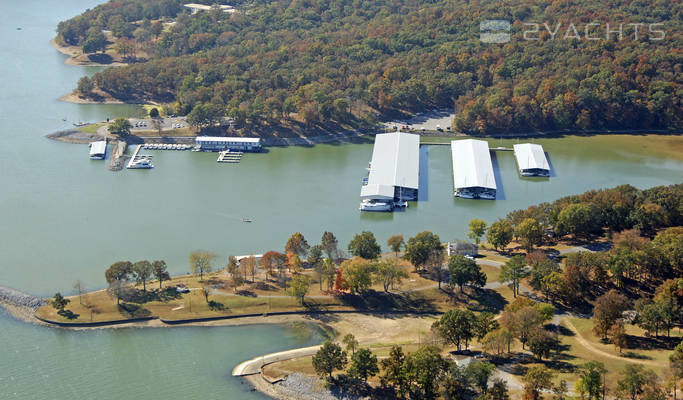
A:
(343, 60)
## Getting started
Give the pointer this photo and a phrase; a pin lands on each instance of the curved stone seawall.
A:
(20, 299)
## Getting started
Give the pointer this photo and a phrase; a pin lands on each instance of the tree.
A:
(456, 326)
(299, 286)
(233, 271)
(78, 286)
(575, 219)
(201, 262)
(330, 273)
(434, 264)
(364, 245)
(357, 272)
(530, 232)
(500, 234)
(395, 243)
(297, 244)
(635, 380)
(328, 358)
(329, 243)
(541, 343)
(618, 334)
(455, 383)
(85, 86)
(120, 126)
(117, 275)
(498, 391)
(483, 324)
(143, 271)
(419, 248)
(392, 368)
(59, 302)
(422, 372)
(315, 260)
(206, 291)
(463, 272)
(477, 230)
(268, 261)
(590, 380)
(608, 309)
(363, 364)
(350, 343)
(498, 341)
(389, 274)
(522, 322)
(537, 378)
(94, 43)
(294, 262)
(160, 272)
(251, 267)
(154, 112)
(480, 372)
(513, 271)
(676, 366)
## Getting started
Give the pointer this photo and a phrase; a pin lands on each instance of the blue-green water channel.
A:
(66, 218)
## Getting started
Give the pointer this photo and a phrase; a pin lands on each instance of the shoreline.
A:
(72, 52)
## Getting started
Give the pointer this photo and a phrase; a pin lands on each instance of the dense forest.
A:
(351, 60)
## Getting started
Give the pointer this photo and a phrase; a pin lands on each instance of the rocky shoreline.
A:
(21, 306)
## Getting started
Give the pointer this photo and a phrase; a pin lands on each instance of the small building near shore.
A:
(462, 248)
(221, 143)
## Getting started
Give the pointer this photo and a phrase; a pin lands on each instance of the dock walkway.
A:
(228, 156)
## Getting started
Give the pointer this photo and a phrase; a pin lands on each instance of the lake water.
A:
(65, 218)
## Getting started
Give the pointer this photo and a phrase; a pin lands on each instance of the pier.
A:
(138, 161)
(232, 157)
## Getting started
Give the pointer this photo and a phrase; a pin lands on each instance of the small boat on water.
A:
(376, 205)
(79, 124)
(247, 220)
(141, 163)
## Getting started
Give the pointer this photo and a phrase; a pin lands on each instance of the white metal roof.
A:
(530, 156)
(395, 160)
(380, 192)
(472, 164)
(200, 139)
(98, 148)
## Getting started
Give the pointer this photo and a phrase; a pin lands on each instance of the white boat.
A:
(375, 205)
(141, 163)
(487, 196)
(401, 203)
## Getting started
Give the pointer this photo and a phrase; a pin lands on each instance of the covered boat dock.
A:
(473, 176)
(531, 160)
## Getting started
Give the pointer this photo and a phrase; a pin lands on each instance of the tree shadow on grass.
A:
(133, 310)
(478, 299)
(68, 314)
(100, 58)
(380, 301)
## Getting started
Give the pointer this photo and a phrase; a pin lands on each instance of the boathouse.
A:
(473, 176)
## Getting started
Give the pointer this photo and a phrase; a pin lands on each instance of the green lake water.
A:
(65, 218)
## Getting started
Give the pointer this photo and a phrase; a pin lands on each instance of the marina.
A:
(531, 160)
(221, 143)
(473, 176)
(393, 178)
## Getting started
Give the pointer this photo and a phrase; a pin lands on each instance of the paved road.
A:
(253, 366)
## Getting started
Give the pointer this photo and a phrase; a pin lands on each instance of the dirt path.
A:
(595, 350)
(253, 366)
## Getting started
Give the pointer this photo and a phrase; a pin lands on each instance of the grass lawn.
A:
(91, 128)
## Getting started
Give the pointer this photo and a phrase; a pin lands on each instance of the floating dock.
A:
(232, 157)
(473, 176)
(167, 146)
(531, 160)
(138, 161)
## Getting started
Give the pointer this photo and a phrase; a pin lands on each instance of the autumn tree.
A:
(395, 243)
(536, 380)
(201, 262)
(530, 232)
(388, 274)
(329, 243)
(143, 271)
(357, 273)
(607, 311)
(299, 286)
(297, 244)
(456, 326)
(590, 382)
(477, 229)
(500, 234)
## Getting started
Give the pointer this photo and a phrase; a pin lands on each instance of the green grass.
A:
(91, 128)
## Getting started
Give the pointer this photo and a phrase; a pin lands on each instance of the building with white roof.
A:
(473, 176)
(195, 8)
(394, 169)
(98, 150)
(221, 143)
(531, 160)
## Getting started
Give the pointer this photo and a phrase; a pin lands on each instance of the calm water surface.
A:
(65, 218)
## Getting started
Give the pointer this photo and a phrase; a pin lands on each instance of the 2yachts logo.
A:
(498, 31)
